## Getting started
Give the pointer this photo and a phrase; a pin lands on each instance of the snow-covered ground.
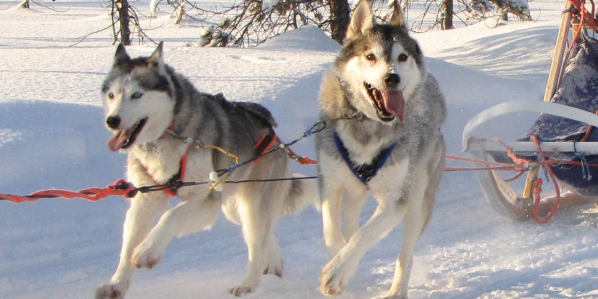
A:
(52, 136)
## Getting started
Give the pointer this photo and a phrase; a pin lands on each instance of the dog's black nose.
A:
(113, 122)
(392, 80)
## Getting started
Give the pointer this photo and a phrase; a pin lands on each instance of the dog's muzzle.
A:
(113, 122)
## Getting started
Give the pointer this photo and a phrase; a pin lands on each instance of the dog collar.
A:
(363, 172)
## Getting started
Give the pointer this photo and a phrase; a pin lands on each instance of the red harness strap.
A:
(172, 192)
(264, 145)
(180, 176)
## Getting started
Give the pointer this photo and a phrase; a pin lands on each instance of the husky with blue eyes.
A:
(171, 133)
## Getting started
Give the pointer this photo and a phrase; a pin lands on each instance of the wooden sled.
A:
(498, 191)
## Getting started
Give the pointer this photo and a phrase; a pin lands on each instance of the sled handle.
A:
(556, 67)
(541, 107)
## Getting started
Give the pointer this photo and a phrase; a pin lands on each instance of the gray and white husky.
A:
(170, 131)
(384, 112)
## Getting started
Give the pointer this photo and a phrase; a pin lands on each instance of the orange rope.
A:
(301, 160)
(538, 187)
(518, 175)
(511, 153)
(120, 187)
(588, 131)
(504, 166)
(520, 164)
(580, 6)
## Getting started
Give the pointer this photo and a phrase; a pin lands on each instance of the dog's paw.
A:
(111, 291)
(335, 276)
(274, 268)
(241, 290)
(147, 255)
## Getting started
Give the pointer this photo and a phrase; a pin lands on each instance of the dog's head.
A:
(380, 63)
(138, 99)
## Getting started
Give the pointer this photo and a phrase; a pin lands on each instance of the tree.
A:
(125, 22)
(123, 17)
(447, 15)
(482, 9)
(339, 19)
(251, 22)
(25, 4)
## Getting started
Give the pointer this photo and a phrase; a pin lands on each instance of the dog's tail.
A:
(303, 192)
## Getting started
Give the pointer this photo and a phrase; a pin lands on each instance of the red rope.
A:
(503, 166)
(520, 165)
(301, 160)
(120, 187)
(585, 15)
(538, 187)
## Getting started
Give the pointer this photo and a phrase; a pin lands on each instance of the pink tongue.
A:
(117, 140)
(394, 102)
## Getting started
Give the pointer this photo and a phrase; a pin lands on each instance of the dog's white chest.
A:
(162, 162)
(360, 153)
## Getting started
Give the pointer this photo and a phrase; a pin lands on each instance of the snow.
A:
(52, 136)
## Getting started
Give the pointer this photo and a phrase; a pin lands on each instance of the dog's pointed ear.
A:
(398, 18)
(362, 20)
(157, 60)
(157, 55)
(121, 57)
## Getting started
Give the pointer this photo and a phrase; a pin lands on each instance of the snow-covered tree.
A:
(251, 22)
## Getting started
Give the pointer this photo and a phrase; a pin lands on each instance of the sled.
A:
(561, 144)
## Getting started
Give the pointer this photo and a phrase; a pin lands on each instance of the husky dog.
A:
(170, 131)
(384, 112)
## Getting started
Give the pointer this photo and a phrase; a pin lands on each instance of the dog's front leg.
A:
(189, 216)
(419, 210)
(138, 222)
(332, 199)
(413, 225)
(340, 269)
(354, 199)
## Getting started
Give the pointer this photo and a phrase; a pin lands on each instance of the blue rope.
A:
(585, 168)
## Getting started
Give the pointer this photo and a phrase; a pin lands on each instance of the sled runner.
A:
(562, 142)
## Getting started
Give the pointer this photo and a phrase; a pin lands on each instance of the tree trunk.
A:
(25, 4)
(153, 7)
(504, 14)
(339, 19)
(123, 16)
(447, 22)
(179, 13)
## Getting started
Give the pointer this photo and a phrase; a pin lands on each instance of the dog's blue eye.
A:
(403, 57)
(136, 95)
(370, 57)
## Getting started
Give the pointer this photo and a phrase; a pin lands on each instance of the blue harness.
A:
(364, 172)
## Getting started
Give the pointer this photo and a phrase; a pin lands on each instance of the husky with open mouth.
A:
(172, 132)
(385, 111)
